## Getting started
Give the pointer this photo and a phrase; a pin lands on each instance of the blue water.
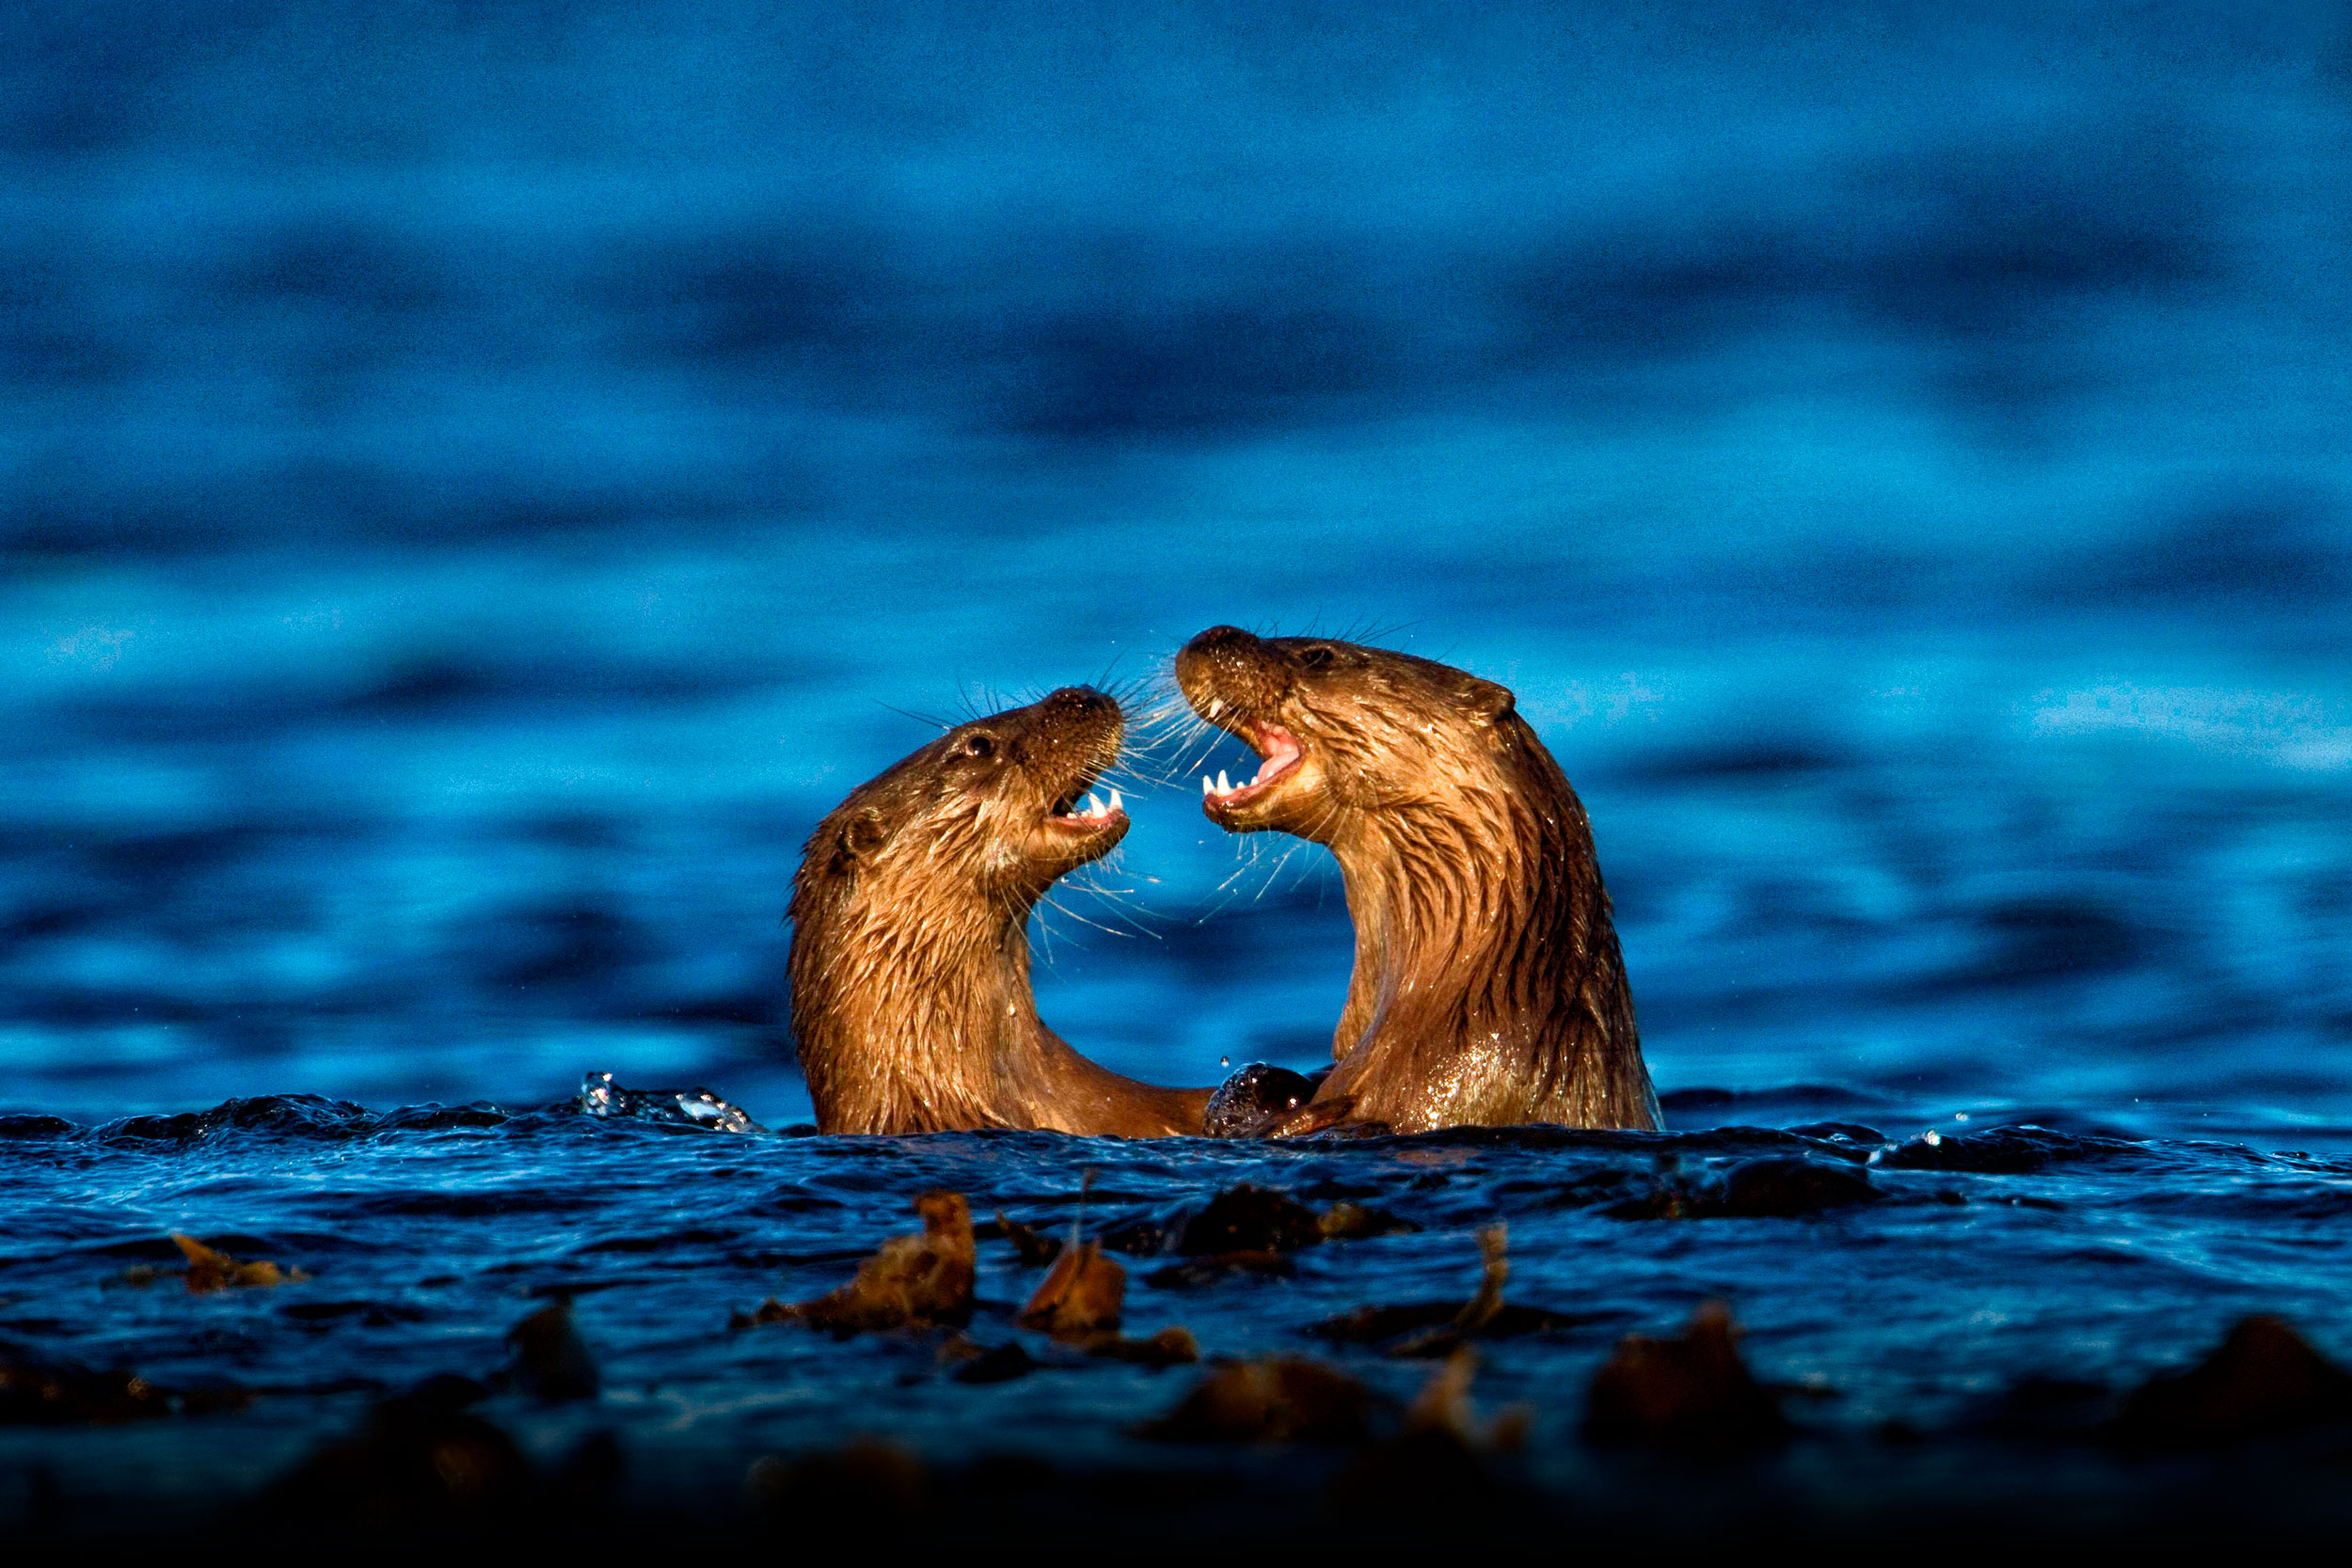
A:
(475, 489)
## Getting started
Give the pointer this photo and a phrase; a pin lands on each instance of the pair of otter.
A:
(1487, 990)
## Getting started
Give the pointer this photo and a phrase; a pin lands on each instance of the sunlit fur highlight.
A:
(911, 995)
(1489, 987)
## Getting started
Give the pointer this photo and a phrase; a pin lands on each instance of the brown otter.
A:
(1489, 988)
(910, 935)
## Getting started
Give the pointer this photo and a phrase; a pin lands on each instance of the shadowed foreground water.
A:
(1900, 1327)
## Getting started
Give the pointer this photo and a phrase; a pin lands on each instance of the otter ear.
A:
(1490, 704)
(862, 835)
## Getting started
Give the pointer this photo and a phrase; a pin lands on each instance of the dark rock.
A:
(1003, 1364)
(1195, 1271)
(1245, 1218)
(1787, 1188)
(1391, 1326)
(1254, 1097)
(1771, 1188)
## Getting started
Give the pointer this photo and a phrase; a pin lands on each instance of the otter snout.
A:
(1079, 701)
(1227, 669)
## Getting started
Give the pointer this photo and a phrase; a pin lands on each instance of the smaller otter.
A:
(910, 917)
(1489, 988)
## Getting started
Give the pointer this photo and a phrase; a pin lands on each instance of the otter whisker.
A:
(931, 719)
(1060, 907)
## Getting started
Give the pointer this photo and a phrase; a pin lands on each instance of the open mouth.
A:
(1080, 811)
(1278, 751)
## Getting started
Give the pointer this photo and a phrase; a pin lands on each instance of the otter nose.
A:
(1217, 637)
(1075, 700)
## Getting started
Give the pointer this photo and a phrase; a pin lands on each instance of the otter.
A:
(910, 911)
(1489, 988)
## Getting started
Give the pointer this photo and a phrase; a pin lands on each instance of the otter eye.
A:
(979, 746)
(1314, 657)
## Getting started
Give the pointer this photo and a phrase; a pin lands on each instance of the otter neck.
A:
(1438, 909)
(1486, 962)
(923, 1029)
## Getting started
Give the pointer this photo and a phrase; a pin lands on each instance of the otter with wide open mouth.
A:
(1489, 987)
(910, 997)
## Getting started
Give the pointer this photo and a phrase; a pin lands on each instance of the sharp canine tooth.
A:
(1224, 784)
(1208, 785)
(1115, 801)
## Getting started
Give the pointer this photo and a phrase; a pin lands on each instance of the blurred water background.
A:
(478, 483)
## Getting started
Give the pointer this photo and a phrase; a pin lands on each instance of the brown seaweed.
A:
(211, 1270)
(37, 1391)
(549, 1358)
(912, 1281)
(2263, 1378)
(1692, 1391)
(1080, 1298)
(1278, 1400)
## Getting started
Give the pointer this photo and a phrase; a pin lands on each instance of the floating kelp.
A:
(1279, 1399)
(866, 1486)
(1032, 1246)
(912, 1281)
(1439, 1328)
(1692, 1391)
(1080, 1301)
(972, 1362)
(210, 1270)
(1439, 1463)
(423, 1461)
(1355, 1222)
(548, 1358)
(35, 1390)
(1080, 1298)
(2263, 1379)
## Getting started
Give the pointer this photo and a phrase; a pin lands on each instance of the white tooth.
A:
(1224, 784)
(1094, 807)
(1208, 785)
(1116, 801)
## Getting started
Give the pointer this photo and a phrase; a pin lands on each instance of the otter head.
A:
(1348, 734)
(987, 815)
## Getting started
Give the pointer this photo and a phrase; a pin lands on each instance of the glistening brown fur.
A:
(910, 962)
(1489, 988)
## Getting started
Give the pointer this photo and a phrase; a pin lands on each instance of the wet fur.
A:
(1489, 987)
(910, 996)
